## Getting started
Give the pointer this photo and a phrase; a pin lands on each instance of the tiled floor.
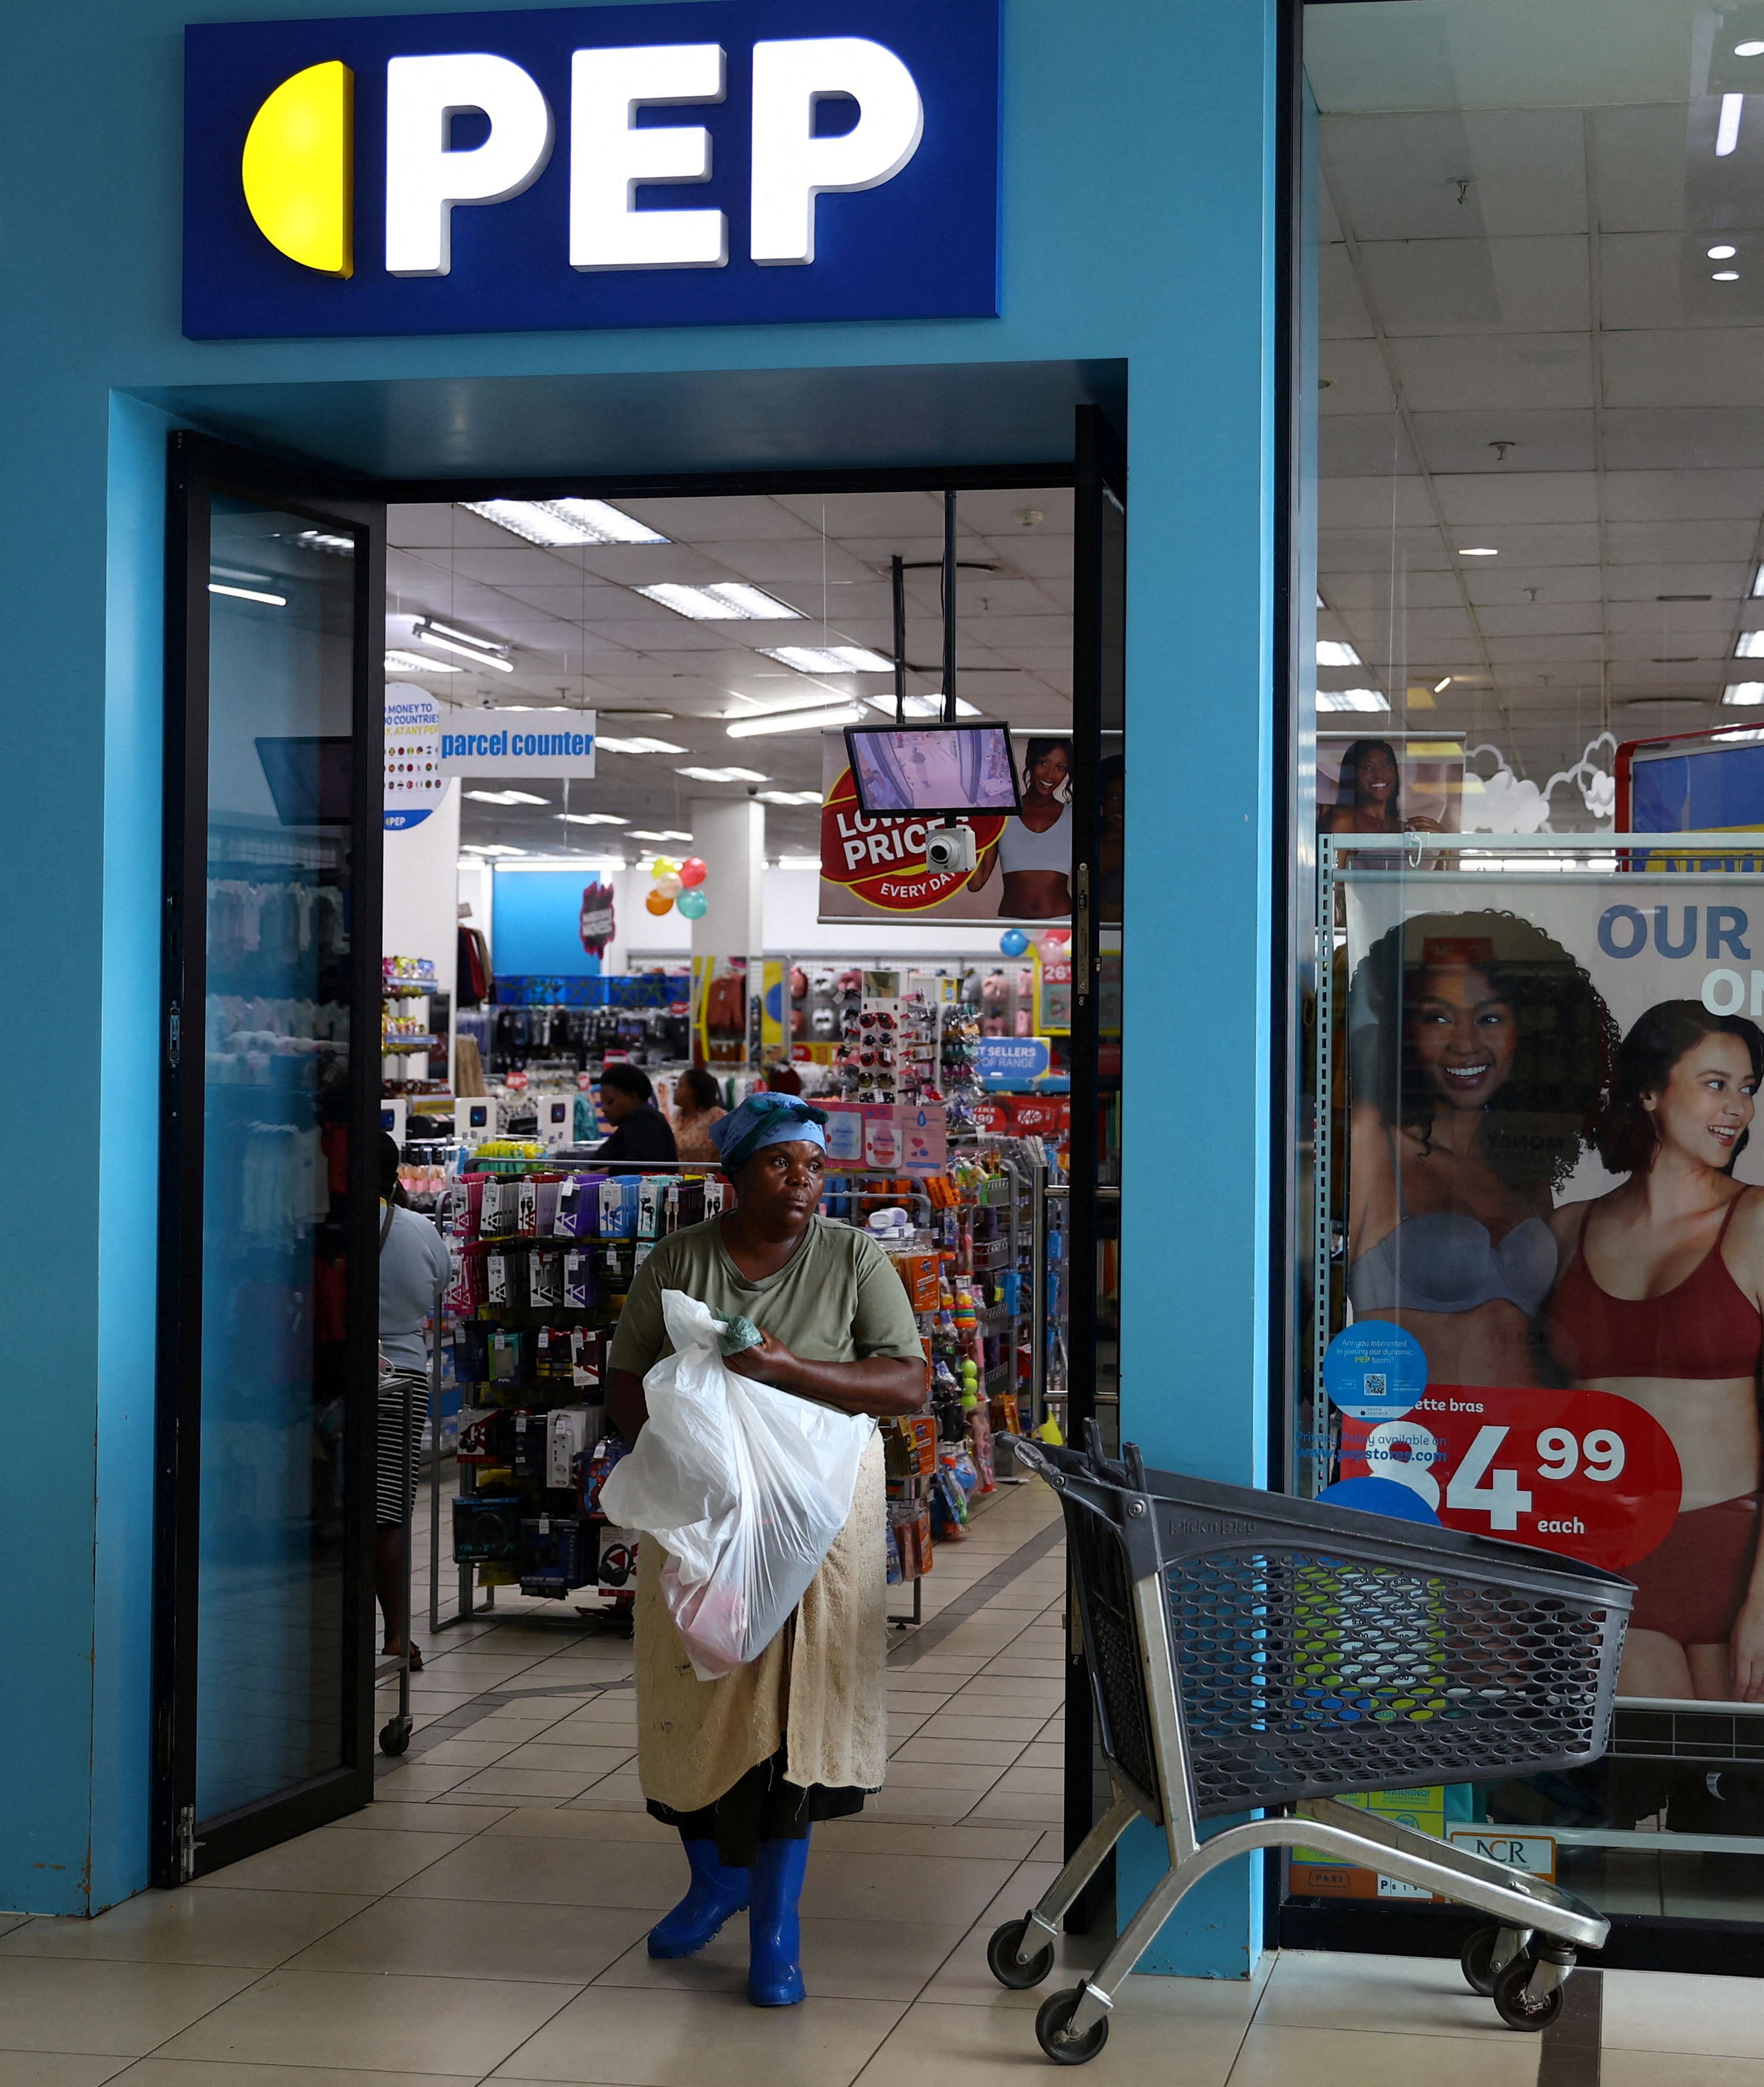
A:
(485, 1920)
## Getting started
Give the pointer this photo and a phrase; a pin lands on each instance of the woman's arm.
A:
(625, 1406)
(881, 1386)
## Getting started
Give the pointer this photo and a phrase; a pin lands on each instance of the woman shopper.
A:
(640, 1131)
(744, 1765)
(1661, 1300)
(413, 1263)
(697, 1103)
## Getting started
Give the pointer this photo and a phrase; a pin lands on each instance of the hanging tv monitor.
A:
(932, 769)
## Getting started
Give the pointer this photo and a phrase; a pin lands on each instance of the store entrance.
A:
(510, 932)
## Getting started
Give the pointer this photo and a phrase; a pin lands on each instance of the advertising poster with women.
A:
(877, 866)
(1401, 784)
(1555, 1212)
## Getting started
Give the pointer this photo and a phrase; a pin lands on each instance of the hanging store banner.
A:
(1553, 1171)
(873, 867)
(511, 744)
(415, 778)
(740, 164)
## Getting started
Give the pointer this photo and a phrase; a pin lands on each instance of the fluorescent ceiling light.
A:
(1725, 276)
(323, 540)
(249, 594)
(1758, 582)
(1723, 253)
(1352, 699)
(1750, 48)
(525, 709)
(797, 721)
(592, 818)
(488, 847)
(558, 524)
(639, 745)
(1336, 652)
(667, 834)
(474, 649)
(1727, 126)
(1749, 645)
(235, 573)
(723, 774)
(922, 706)
(723, 599)
(830, 658)
(506, 797)
(799, 862)
(768, 706)
(1743, 694)
(1442, 685)
(1478, 551)
(407, 663)
(790, 796)
(1321, 603)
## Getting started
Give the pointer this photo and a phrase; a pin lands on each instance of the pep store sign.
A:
(694, 164)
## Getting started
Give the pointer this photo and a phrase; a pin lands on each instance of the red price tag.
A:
(517, 1081)
(1585, 1473)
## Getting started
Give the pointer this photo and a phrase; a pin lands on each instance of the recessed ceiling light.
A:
(667, 834)
(1743, 694)
(1727, 123)
(1750, 645)
(250, 594)
(830, 658)
(407, 663)
(506, 797)
(723, 774)
(1442, 685)
(637, 745)
(1725, 276)
(488, 847)
(790, 796)
(724, 599)
(922, 706)
(836, 714)
(799, 862)
(557, 524)
(1352, 699)
(1751, 47)
(593, 818)
(1479, 550)
(1723, 253)
(1335, 652)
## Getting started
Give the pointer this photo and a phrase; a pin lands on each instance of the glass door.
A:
(1098, 798)
(269, 1108)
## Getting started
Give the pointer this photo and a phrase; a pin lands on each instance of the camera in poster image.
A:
(1553, 1186)
(1023, 867)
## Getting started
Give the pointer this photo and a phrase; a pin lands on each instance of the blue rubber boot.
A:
(774, 1931)
(716, 1894)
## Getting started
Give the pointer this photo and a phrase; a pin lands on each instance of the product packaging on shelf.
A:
(578, 1205)
(545, 1277)
(616, 1567)
(529, 1447)
(554, 1555)
(618, 1206)
(571, 1429)
(486, 1527)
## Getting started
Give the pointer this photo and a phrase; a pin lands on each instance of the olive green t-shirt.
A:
(838, 1300)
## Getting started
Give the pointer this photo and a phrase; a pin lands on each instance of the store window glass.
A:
(1538, 1043)
(276, 1042)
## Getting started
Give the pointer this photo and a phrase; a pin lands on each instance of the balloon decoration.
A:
(658, 901)
(679, 882)
(1013, 942)
(693, 905)
(668, 884)
(692, 872)
(663, 866)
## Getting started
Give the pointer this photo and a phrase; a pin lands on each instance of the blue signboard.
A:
(1717, 786)
(718, 162)
(1010, 1057)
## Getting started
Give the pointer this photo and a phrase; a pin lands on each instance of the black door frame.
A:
(198, 467)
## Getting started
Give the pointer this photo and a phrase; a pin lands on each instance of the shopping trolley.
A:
(1250, 1653)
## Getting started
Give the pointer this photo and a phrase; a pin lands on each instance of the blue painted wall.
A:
(538, 916)
(1137, 244)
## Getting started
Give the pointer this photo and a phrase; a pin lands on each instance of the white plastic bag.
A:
(743, 1486)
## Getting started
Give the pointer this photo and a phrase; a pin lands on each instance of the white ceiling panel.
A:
(1557, 619)
(800, 562)
(1585, 646)
(1640, 155)
(1683, 439)
(1518, 496)
(1726, 583)
(1668, 620)
(1518, 371)
(1515, 583)
(739, 518)
(1679, 543)
(1357, 381)
(1372, 503)
(1561, 544)
(1667, 278)
(1657, 648)
(1036, 551)
(1341, 313)
(1458, 174)
(1684, 366)
(1673, 496)
(1378, 551)
(1443, 286)
(1346, 591)
(1363, 445)
(891, 514)
(993, 512)
(1454, 440)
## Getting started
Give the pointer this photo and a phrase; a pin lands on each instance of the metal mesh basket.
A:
(1319, 1650)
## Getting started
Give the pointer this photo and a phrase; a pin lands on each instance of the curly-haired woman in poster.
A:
(1661, 1300)
(1481, 1054)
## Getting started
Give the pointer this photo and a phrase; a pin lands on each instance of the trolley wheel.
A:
(1477, 1961)
(1001, 1959)
(395, 1735)
(1050, 2030)
(1510, 2000)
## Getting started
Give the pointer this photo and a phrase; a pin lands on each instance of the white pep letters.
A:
(791, 165)
(609, 156)
(424, 178)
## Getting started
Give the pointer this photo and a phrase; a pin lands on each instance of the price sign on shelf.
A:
(1584, 1473)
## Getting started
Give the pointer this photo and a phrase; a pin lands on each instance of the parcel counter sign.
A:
(690, 164)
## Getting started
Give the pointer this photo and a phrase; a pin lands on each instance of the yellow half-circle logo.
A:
(299, 169)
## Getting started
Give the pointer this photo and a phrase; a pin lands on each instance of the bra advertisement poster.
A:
(876, 868)
(1550, 1170)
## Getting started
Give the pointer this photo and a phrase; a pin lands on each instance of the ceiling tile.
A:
(1668, 620)
(1530, 372)
(1649, 279)
(1518, 496)
(1663, 496)
(1363, 445)
(1680, 543)
(1347, 590)
(1519, 583)
(1342, 312)
(1448, 286)
(1356, 379)
(1378, 551)
(1452, 174)
(1540, 618)
(1642, 583)
(1456, 441)
(1684, 366)
(1587, 646)
(1683, 439)
(1372, 503)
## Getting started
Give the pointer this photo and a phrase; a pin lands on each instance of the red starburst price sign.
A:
(1584, 1473)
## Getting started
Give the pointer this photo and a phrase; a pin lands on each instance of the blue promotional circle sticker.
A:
(1374, 1370)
